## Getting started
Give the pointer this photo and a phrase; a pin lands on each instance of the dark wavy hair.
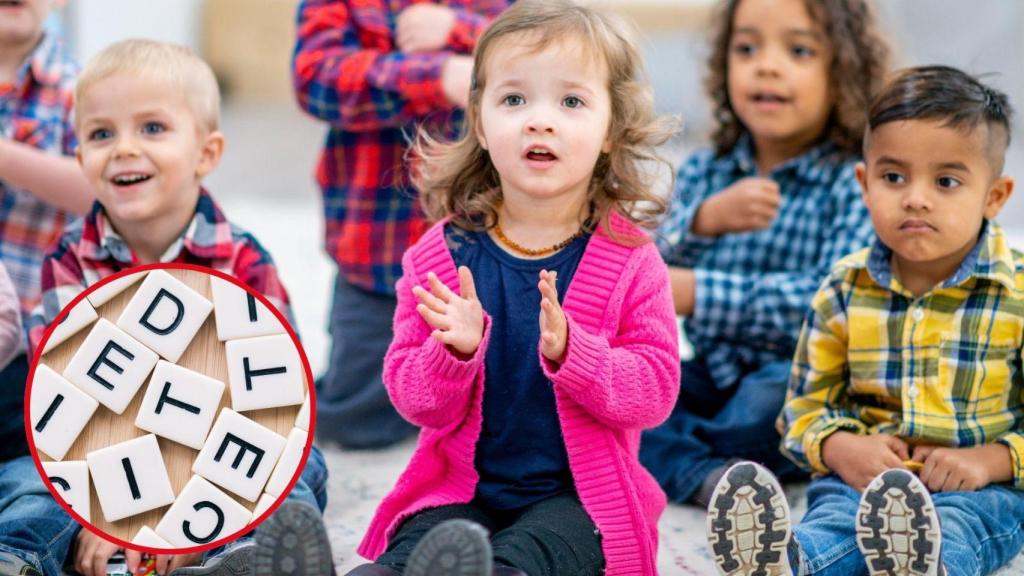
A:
(859, 61)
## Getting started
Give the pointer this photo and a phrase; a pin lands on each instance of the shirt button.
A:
(918, 314)
(912, 392)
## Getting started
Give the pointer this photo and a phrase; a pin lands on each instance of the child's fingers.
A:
(921, 453)
(161, 564)
(132, 559)
(437, 288)
(433, 318)
(467, 287)
(428, 299)
(899, 447)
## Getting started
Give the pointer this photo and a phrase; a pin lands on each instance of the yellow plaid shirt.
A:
(943, 368)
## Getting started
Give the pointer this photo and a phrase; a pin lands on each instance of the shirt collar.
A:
(990, 259)
(45, 64)
(207, 236)
(741, 159)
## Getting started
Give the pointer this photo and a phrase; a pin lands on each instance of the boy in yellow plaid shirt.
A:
(907, 393)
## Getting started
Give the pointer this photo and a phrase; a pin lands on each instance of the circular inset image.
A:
(169, 408)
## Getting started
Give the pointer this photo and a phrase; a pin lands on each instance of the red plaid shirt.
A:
(36, 110)
(90, 250)
(348, 72)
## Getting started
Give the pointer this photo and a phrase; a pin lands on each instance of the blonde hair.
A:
(177, 66)
(458, 178)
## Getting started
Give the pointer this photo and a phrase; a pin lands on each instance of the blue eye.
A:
(152, 128)
(572, 102)
(100, 134)
(513, 100)
(948, 182)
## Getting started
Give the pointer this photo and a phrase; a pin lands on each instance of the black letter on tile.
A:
(216, 530)
(163, 293)
(249, 374)
(130, 474)
(252, 307)
(243, 446)
(102, 359)
(60, 482)
(49, 412)
(165, 398)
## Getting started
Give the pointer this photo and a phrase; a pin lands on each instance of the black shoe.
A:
(373, 570)
(748, 523)
(898, 527)
(292, 542)
(452, 548)
(235, 560)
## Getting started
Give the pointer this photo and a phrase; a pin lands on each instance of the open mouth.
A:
(540, 155)
(10, 3)
(128, 179)
(768, 98)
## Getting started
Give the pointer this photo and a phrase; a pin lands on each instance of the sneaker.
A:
(748, 523)
(292, 542)
(235, 560)
(452, 548)
(11, 564)
(706, 491)
(898, 527)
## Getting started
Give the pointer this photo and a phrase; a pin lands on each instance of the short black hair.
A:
(941, 93)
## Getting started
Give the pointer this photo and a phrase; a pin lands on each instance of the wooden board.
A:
(205, 354)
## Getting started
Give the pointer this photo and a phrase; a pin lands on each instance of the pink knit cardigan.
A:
(620, 375)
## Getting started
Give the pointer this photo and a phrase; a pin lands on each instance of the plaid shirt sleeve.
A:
(764, 309)
(61, 279)
(817, 402)
(362, 87)
(10, 319)
(677, 244)
(1014, 440)
(468, 27)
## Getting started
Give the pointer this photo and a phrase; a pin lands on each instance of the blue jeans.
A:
(33, 526)
(710, 425)
(981, 530)
(352, 405)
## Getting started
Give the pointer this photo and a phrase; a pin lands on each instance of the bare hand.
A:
(858, 459)
(455, 79)
(92, 553)
(458, 321)
(749, 204)
(423, 28)
(165, 564)
(959, 469)
(554, 330)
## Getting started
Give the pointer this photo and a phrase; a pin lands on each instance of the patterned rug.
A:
(359, 480)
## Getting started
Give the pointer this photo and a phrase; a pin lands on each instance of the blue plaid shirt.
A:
(754, 288)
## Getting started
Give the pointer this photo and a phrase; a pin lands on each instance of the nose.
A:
(767, 62)
(125, 146)
(540, 122)
(916, 199)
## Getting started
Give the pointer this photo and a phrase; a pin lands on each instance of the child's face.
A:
(928, 187)
(544, 118)
(21, 21)
(778, 72)
(142, 148)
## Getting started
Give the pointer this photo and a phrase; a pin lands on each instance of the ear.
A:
(606, 146)
(210, 154)
(480, 135)
(998, 194)
(861, 172)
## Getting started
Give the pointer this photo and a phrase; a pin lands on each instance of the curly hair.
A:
(458, 179)
(859, 61)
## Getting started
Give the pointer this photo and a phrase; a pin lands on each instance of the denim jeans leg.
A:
(981, 530)
(827, 533)
(311, 486)
(352, 405)
(12, 398)
(33, 526)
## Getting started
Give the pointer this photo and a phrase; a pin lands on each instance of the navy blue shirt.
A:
(520, 455)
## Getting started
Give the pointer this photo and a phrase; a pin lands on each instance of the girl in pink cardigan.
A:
(535, 335)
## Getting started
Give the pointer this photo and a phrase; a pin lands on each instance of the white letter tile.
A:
(201, 514)
(58, 412)
(79, 317)
(239, 454)
(103, 294)
(165, 314)
(289, 462)
(180, 404)
(239, 314)
(130, 477)
(147, 537)
(71, 479)
(110, 366)
(264, 372)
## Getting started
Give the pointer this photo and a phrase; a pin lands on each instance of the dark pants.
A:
(352, 406)
(709, 426)
(552, 537)
(12, 410)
